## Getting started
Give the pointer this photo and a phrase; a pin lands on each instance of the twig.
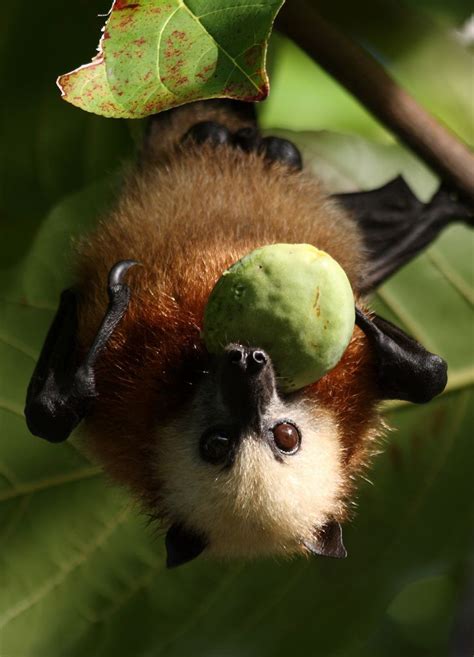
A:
(368, 81)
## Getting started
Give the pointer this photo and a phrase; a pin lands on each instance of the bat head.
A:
(227, 460)
(246, 470)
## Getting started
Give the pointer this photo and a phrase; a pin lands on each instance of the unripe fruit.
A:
(292, 300)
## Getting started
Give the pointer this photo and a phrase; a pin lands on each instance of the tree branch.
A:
(368, 81)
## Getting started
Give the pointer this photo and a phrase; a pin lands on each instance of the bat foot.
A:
(247, 139)
(210, 132)
(276, 149)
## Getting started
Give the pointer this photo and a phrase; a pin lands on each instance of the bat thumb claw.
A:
(118, 271)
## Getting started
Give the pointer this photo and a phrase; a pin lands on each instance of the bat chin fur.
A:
(260, 505)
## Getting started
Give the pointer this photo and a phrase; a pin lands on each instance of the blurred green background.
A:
(80, 571)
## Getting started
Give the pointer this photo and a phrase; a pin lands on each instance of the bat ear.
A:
(327, 542)
(182, 546)
(405, 369)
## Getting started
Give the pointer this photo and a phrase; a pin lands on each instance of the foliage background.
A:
(79, 571)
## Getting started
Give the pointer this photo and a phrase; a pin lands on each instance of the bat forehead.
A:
(260, 503)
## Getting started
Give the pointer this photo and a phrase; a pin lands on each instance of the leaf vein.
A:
(204, 607)
(405, 317)
(11, 408)
(15, 517)
(449, 273)
(18, 346)
(57, 579)
(28, 304)
(220, 47)
(50, 482)
(243, 7)
(158, 46)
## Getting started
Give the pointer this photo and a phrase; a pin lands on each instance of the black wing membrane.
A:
(62, 390)
(396, 226)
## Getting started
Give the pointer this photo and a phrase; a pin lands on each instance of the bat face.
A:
(260, 481)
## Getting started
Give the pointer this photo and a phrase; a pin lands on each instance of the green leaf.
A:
(347, 163)
(96, 582)
(157, 54)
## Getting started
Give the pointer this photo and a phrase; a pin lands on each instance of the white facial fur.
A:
(258, 505)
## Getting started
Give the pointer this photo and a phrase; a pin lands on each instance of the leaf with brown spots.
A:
(157, 54)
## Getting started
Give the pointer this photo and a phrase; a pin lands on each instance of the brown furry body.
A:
(186, 215)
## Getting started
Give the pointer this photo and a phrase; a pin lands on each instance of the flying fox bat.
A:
(168, 420)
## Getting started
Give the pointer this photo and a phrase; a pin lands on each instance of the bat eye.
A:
(287, 437)
(215, 446)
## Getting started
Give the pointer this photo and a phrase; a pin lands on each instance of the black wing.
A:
(61, 389)
(396, 226)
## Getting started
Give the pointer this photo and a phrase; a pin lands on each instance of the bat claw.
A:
(247, 139)
(208, 132)
(119, 270)
(281, 150)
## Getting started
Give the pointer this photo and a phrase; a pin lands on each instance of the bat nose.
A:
(247, 382)
(247, 360)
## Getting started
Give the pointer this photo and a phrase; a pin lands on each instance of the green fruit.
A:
(292, 300)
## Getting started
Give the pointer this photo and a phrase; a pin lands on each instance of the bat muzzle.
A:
(247, 383)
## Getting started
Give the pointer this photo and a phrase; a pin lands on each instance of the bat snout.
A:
(247, 381)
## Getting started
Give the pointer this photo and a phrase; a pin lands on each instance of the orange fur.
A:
(186, 216)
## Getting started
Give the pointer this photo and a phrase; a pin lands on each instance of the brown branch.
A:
(368, 81)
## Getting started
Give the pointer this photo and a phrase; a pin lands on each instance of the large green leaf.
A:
(81, 573)
(156, 54)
